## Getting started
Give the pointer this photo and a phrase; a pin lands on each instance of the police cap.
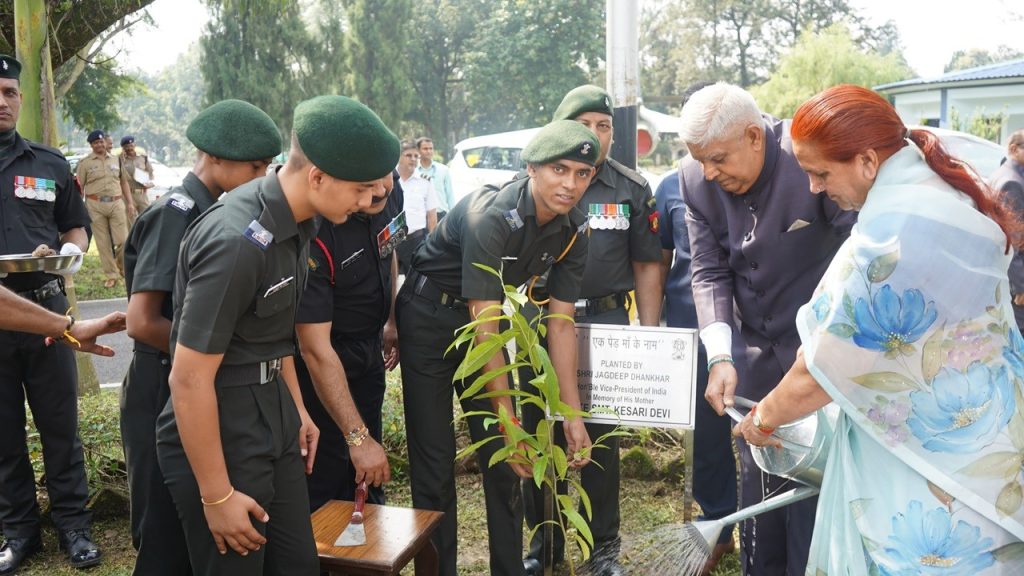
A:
(586, 98)
(235, 130)
(345, 138)
(95, 135)
(9, 67)
(562, 139)
(127, 140)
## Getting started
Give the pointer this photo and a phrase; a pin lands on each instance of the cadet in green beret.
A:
(525, 228)
(625, 253)
(234, 442)
(236, 143)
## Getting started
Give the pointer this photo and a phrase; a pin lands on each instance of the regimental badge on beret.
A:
(259, 235)
(9, 67)
(562, 139)
(582, 99)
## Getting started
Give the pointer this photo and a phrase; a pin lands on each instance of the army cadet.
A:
(99, 174)
(348, 339)
(39, 205)
(138, 175)
(526, 228)
(234, 440)
(624, 254)
(236, 142)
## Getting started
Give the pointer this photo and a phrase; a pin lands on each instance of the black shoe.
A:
(17, 550)
(82, 553)
(532, 567)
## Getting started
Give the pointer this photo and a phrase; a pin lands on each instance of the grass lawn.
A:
(89, 279)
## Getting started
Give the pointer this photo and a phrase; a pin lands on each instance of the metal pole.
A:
(622, 56)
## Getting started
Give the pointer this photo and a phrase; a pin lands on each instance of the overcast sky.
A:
(931, 30)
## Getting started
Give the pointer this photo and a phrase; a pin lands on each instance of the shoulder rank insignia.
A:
(181, 202)
(651, 202)
(653, 222)
(259, 235)
(513, 219)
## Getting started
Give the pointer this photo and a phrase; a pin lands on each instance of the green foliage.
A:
(982, 125)
(974, 57)
(378, 66)
(637, 463)
(93, 101)
(818, 61)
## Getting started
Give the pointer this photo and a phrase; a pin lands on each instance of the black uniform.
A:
(38, 202)
(497, 228)
(350, 287)
(621, 215)
(241, 269)
(151, 261)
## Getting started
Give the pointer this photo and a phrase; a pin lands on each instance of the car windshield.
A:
(493, 158)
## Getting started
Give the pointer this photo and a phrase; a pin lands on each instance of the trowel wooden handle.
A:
(360, 501)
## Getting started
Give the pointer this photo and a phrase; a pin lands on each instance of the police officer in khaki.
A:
(109, 203)
(526, 228)
(236, 142)
(138, 175)
(39, 206)
(234, 443)
(624, 253)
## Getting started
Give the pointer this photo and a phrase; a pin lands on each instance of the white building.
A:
(985, 90)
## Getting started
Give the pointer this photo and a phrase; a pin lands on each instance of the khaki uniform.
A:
(100, 178)
(129, 167)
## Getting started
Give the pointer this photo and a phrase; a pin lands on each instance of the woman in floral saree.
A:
(912, 335)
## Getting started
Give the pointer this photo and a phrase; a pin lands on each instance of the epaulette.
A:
(627, 172)
(180, 202)
(45, 148)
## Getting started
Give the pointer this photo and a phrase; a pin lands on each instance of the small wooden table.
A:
(393, 537)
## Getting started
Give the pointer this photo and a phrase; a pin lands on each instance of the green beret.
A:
(562, 139)
(345, 139)
(586, 98)
(9, 67)
(235, 130)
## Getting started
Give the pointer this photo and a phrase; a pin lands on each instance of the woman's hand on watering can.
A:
(752, 434)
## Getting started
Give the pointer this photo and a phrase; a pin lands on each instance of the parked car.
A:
(490, 159)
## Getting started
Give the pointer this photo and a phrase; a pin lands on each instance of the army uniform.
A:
(350, 286)
(129, 167)
(100, 178)
(241, 269)
(39, 201)
(497, 228)
(151, 261)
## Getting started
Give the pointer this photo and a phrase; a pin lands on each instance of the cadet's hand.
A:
(721, 386)
(1018, 299)
(577, 442)
(309, 437)
(370, 462)
(390, 345)
(86, 332)
(230, 524)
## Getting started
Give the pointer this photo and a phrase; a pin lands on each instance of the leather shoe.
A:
(17, 550)
(532, 567)
(81, 551)
(720, 549)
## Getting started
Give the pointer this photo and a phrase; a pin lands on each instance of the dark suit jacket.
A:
(1009, 180)
(755, 262)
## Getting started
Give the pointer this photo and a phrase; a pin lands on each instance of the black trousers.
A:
(259, 428)
(425, 330)
(48, 378)
(156, 532)
(714, 466)
(600, 478)
(333, 476)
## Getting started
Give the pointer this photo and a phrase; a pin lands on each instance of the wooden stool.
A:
(393, 537)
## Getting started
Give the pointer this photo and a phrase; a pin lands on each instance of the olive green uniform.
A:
(497, 228)
(241, 269)
(623, 229)
(100, 178)
(129, 168)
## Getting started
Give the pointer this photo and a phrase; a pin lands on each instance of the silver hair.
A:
(715, 112)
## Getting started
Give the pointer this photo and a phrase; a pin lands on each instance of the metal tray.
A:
(12, 263)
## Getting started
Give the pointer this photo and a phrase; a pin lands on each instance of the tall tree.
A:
(973, 57)
(377, 58)
(94, 99)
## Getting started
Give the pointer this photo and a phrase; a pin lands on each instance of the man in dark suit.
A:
(760, 241)
(1008, 180)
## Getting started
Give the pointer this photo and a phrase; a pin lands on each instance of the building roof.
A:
(988, 74)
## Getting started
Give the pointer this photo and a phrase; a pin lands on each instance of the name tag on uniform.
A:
(609, 216)
(259, 235)
(31, 188)
(392, 235)
(181, 202)
(279, 286)
(351, 259)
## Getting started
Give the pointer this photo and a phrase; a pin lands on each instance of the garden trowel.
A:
(355, 534)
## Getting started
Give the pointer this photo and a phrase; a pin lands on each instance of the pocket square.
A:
(798, 224)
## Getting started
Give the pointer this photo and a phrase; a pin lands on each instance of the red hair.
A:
(845, 120)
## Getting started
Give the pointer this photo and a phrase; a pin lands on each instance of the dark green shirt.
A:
(613, 249)
(241, 269)
(498, 228)
(151, 252)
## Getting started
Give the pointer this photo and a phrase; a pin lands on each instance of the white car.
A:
(490, 159)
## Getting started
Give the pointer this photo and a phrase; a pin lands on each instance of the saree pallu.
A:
(912, 334)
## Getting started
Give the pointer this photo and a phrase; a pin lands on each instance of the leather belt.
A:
(257, 373)
(104, 199)
(425, 287)
(44, 292)
(594, 306)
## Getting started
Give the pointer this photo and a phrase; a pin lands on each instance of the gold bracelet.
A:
(221, 501)
(356, 437)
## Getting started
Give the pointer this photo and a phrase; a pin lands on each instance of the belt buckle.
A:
(269, 370)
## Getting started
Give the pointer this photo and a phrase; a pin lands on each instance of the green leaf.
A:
(931, 355)
(487, 268)
(478, 357)
(584, 498)
(1009, 499)
(486, 377)
(584, 547)
(577, 522)
(883, 266)
(540, 466)
(842, 330)
(848, 306)
(886, 382)
(472, 448)
(502, 454)
(995, 465)
(1012, 553)
(561, 464)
